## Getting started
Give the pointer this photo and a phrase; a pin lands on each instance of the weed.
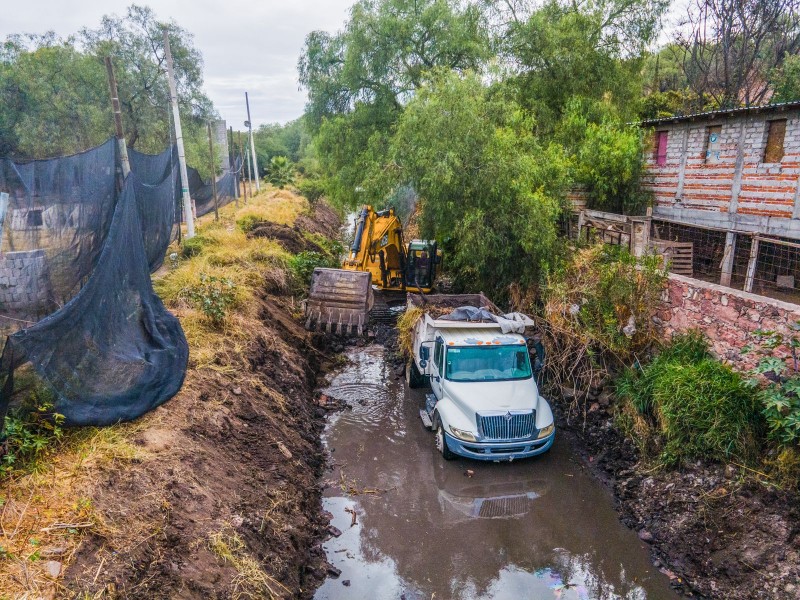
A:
(31, 430)
(214, 296)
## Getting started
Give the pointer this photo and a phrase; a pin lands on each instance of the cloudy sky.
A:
(248, 46)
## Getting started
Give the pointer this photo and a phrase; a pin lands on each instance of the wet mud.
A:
(408, 524)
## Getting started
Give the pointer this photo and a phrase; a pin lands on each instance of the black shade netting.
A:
(157, 183)
(55, 222)
(203, 193)
(113, 352)
(56, 219)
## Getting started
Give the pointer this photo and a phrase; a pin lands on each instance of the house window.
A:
(34, 218)
(713, 135)
(776, 131)
(661, 148)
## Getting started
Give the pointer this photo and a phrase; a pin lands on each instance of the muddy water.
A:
(538, 529)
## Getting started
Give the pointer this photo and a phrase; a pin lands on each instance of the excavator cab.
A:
(422, 260)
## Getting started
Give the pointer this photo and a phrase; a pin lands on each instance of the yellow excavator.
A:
(340, 299)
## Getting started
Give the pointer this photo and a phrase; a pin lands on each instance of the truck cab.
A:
(485, 403)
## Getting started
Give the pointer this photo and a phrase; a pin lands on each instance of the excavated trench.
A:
(415, 526)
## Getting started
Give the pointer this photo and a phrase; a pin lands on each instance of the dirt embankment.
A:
(716, 531)
(222, 500)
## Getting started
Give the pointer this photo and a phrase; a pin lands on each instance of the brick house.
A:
(728, 182)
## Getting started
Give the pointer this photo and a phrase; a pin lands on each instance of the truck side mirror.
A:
(424, 364)
(424, 353)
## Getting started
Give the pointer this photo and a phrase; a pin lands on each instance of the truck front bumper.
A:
(499, 451)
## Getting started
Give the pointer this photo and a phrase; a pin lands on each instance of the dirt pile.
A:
(290, 238)
(715, 531)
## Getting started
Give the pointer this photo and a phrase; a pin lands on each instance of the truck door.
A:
(438, 368)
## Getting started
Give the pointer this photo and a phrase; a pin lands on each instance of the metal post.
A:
(252, 143)
(212, 162)
(241, 158)
(232, 163)
(751, 266)
(249, 171)
(123, 148)
(727, 259)
(173, 96)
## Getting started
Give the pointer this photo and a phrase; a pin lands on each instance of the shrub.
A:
(193, 246)
(694, 406)
(312, 188)
(302, 265)
(214, 296)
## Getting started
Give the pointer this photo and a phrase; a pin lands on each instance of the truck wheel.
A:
(414, 378)
(441, 443)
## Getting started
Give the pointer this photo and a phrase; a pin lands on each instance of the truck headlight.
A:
(545, 431)
(463, 435)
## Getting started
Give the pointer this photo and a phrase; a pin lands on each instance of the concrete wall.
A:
(738, 191)
(727, 317)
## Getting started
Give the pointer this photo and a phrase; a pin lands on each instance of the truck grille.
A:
(507, 426)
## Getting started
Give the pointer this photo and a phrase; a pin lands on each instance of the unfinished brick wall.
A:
(727, 317)
(692, 181)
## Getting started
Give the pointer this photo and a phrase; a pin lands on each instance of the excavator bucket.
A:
(339, 300)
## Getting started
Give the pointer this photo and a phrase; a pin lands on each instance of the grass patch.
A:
(686, 405)
(251, 581)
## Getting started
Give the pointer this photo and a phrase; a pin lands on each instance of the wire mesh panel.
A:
(708, 246)
(777, 269)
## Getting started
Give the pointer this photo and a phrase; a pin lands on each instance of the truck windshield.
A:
(487, 363)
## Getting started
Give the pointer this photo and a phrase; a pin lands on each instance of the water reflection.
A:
(540, 528)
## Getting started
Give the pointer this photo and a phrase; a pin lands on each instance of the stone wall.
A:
(727, 317)
(24, 283)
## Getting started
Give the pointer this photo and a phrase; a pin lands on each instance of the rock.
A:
(284, 450)
(346, 583)
(333, 571)
(605, 397)
(334, 531)
(645, 536)
(567, 392)
(53, 568)
(237, 391)
(594, 407)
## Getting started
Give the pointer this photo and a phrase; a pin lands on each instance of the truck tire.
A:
(414, 378)
(441, 442)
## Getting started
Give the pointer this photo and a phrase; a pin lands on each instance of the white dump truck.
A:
(485, 403)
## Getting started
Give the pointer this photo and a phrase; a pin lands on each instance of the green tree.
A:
(490, 189)
(586, 49)
(786, 80)
(359, 80)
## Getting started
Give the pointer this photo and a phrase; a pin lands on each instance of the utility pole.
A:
(252, 143)
(212, 163)
(241, 158)
(173, 96)
(249, 172)
(123, 148)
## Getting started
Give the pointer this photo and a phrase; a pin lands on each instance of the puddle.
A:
(539, 528)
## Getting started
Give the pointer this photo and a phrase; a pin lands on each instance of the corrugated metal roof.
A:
(778, 107)
(464, 336)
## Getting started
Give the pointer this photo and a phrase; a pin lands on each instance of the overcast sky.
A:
(248, 46)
